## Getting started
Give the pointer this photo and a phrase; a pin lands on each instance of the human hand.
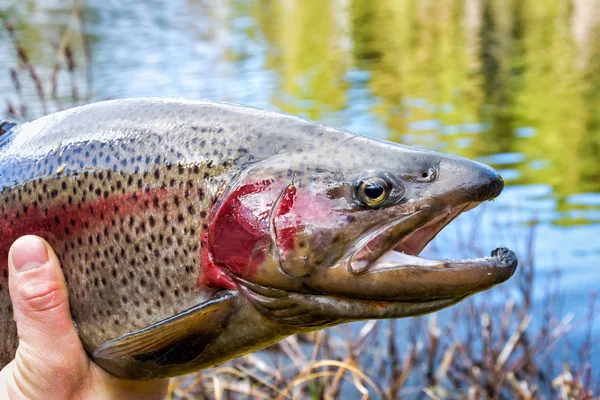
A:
(50, 362)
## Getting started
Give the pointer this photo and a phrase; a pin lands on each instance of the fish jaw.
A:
(444, 278)
(399, 274)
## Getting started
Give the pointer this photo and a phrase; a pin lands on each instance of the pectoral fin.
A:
(175, 340)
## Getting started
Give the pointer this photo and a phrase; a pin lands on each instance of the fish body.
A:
(191, 232)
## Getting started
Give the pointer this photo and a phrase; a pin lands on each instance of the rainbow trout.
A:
(191, 233)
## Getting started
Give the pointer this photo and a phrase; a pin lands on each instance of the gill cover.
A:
(254, 225)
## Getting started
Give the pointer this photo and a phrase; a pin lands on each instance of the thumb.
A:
(41, 306)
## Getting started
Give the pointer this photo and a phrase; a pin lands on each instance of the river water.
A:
(513, 84)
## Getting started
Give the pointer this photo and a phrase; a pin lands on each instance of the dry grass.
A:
(39, 90)
(479, 349)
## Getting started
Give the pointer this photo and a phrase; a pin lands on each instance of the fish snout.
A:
(464, 181)
(488, 184)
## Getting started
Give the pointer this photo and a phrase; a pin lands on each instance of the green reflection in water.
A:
(514, 83)
(307, 49)
(471, 77)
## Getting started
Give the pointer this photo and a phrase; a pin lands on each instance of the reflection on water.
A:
(513, 84)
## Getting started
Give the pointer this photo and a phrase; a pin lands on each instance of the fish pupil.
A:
(373, 190)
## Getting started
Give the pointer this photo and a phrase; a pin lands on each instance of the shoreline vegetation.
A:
(513, 348)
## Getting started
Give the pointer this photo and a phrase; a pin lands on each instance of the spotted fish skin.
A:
(191, 233)
(122, 190)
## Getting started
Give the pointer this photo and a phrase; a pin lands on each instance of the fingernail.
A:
(28, 253)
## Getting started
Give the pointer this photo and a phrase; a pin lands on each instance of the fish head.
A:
(344, 226)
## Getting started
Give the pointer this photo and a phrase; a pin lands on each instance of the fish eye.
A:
(373, 191)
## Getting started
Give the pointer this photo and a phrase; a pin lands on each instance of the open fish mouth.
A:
(402, 275)
(416, 241)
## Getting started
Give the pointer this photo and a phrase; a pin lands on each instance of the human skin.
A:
(50, 361)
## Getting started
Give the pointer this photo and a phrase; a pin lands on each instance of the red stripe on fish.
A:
(63, 220)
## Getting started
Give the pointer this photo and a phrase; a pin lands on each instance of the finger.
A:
(39, 296)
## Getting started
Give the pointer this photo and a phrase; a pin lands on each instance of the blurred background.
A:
(514, 84)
